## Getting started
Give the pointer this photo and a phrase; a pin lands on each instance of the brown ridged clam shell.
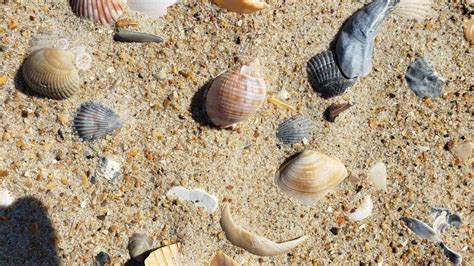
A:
(235, 95)
(51, 72)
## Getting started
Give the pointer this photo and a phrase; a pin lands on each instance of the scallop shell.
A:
(221, 259)
(93, 121)
(326, 77)
(242, 6)
(51, 72)
(164, 256)
(309, 176)
(469, 30)
(103, 11)
(139, 246)
(294, 130)
(235, 95)
(417, 9)
(152, 8)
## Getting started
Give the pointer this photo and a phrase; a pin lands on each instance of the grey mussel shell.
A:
(93, 121)
(423, 80)
(294, 130)
(139, 246)
(326, 77)
(356, 41)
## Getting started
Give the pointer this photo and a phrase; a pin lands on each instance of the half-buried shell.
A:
(241, 6)
(165, 256)
(139, 246)
(103, 11)
(51, 72)
(93, 121)
(294, 130)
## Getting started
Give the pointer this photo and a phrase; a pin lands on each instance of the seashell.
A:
(440, 225)
(251, 242)
(221, 259)
(133, 36)
(378, 176)
(102, 259)
(235, 95)
(108, 169)
(198, 196)
(463, 151)
(164, 256)
(453, 219)
(93, 121)
(5, 198)
(294, 130)
(139, 246)
(334, 110)
(51, 72)
(326, 77)
(152, 8)
(421, 229)
(242, 6)
(309, 176)
(452, 256)
(469, 30)
(423, 79)
(103, 11)
(356, 42)
(417, 9)
(363, 211)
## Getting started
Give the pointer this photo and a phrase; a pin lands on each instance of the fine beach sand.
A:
(163, 144)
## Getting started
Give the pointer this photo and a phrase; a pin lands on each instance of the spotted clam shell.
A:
(51, 72)
(294, 130)
(326, 77)
(103, 11)
(94, 121)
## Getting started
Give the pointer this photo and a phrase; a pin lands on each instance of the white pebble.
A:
(5, 198)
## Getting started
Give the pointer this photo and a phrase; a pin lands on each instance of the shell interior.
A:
(294, 130)
(94, 121)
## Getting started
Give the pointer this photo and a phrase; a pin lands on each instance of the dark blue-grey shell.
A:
(133, 36)
(93, 121)
(423, 80)
(294, 130)
(355, 44)
(326, 77)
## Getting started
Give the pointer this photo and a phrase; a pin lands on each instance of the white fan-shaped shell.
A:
(103, 11)
(152, 8)
(417, 9)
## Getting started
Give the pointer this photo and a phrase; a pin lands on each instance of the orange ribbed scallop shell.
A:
(235, 95)
(103, 11)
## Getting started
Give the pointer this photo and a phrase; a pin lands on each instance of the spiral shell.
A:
(235, 95)
(309, 176)
(93, 121)
(103, 11)
(139, 246)
(51, 72)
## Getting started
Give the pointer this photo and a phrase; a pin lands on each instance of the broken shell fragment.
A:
(463, 150)
(363, 211)
(421, 229)
(469, 30)
(334, 110)
(251, 242)
(453, 219)
(452, 256)
(221, 259)
(242, 6)
(294, 130)
(5, 198)
(423, 79)
(326, 77)
(198, 196)
(133, 36)
(51, 72)
(235, 95)
(93, 121)
(152, 8)
(417, 9)
(164, 256)
(103, 11)
(139, 246)
(378, 176)
(108, 169)
(309, 176)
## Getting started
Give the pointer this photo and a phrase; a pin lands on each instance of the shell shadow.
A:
(27, 236)
(198, 106)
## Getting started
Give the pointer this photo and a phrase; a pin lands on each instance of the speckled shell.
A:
(309, 176)
(469, 30)
(139, 246)
(325, 76)
(235, 95)
(164, 256)
(294, 130)
(241, 6)
(93, 121)
(103, 11)
(51, 72)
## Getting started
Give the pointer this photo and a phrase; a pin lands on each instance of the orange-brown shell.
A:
(235, 95)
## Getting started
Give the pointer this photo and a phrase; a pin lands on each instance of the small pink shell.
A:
(103, 11)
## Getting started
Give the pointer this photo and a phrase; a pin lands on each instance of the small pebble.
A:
(102, 259)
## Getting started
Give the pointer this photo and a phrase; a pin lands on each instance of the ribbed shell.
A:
(103, 11)
(138, 246)
(51, 72)
(221, 259)
(93, 121)
(294, 130)
(236, 95)
(164, 256)
(325, 76)
(310, 176)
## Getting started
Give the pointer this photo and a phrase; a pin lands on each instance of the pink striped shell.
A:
(235, 95)
(103, 11)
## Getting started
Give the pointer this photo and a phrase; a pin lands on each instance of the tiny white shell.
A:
(108, 169)
(5, 198)
(198, 196)
(363, 211)
(378, 176)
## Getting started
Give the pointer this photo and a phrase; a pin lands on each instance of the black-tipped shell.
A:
(93, 121)
(326, 77)
(294, 130)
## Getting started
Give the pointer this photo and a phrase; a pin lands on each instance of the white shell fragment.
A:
(251, 242)
(152, 8)
(378, 176)
(463, 151)
(198, 196)
(108, 169)
(416, 9)
(5, 198)
(363, 211)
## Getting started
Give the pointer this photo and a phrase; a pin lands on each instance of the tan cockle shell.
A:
(103, 11)
(241, 6)
(164, 256)
(235, 95)
(51, 72)
(309, 176)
